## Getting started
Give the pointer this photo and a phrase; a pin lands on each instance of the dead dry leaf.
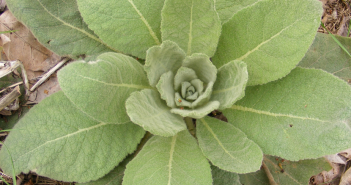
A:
(24, 46)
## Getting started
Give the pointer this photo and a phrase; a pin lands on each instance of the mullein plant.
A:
(200, 56)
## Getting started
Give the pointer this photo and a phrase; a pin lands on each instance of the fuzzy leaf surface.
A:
(221, 177)
(148, 110)
(281, 31)
(227, 8)
(193, 24)
(227, 147)
(326, 54)
(161, 59)
(169, 160)
(286, 172)
(100, 88)
(305, 115)
(132, 26)
(59, 27)
(230, 84)
(295, 173)
(114, 177)
(62, 143)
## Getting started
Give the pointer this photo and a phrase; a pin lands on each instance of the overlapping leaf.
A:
(100, 88)
(114, 177)
(132, 26)
(271, 37)
(221, 177)
(148, 110)
(227, 8)
(193, 24)
(227, 147)
(58, 141)
(326, 54)
(58, 26)
(304, 115)
(230, 84)
(169, 160)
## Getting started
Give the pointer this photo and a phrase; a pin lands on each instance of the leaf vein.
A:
(247, 109)
(78, 29)
(152, 33)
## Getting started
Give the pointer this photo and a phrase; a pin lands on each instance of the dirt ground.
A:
(336, 18)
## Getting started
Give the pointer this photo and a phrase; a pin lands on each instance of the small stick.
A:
(48, 74)
(8, 98)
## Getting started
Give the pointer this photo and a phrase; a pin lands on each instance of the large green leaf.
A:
(169, 160)
(326, 54)
(100, 88)
(56, 140)
(58, 26)
(227, 147)
(294, 173)
(193, 24)
(222, 177)
(132, 26)
(285, 172)
(304, 115)
(114, 177)
(227, 8)
(148, 110)
(271, 37)
(230, 84)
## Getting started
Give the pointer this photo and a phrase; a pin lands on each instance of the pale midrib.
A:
(258, 46)
(152, 33)
(65, 136)
(190, 29)
(246, 109)
(78, 29)
(219, 142)
(173, 143)
(118, 85)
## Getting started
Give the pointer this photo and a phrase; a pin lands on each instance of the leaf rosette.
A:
(183, 86)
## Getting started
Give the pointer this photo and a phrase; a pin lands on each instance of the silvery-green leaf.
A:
(193, 24)
(114, 177)
(131, 26)
(183, 74)
(180, 101)
(99, 88)
(227, 8)
(146, 109)
(203, 67)
(284, 30)
(230, 84)
(198, 112)
(59, 26)
(56, 140)
(204, 97)
(222, 177)
(169, 160)
(198, 84)
(161, 59)
(326, 54)
(227, 147)
(166, 89)
(305, 115)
